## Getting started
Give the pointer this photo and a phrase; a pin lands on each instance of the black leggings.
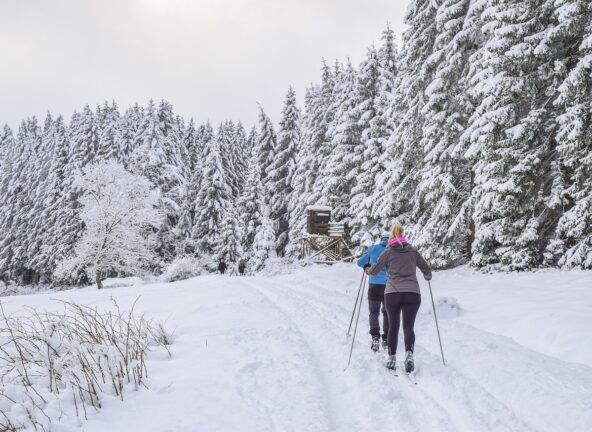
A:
(408, 303)
(375, 301)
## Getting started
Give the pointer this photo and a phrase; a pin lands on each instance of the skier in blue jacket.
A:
(376, 293)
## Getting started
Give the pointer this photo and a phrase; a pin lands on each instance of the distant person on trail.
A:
(376, 288)
(242, 265)
(402, 292)
(222, 266)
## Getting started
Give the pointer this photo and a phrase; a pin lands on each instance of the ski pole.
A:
(356, 327)
(437, 327)
(356, 304)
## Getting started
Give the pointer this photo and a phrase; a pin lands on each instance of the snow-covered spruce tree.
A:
(373, 134)
(342, 170)
(196, 140)
(129, 125)
(266, 143)
(212, 201)
(171, 127)
(387, 56)
(84, 137)
(157, 156)
(315, 148)
(59, 221)
(558, 53)
(184, 227)
(281, 170)
(379, 129)
(511, 137)
(305, 175)
(6, 145)
(182, 231)
(574, 229)
(119, 213)
(10, 151)
(396, 185)
(185, 244)
(229, 245)
(191, 143)
(230, 154)
(5, 138)
(28, 180)
(384, 123)
(14, 195)
(251, 145)
(205, 134)
(183, 150)
(441, 206)
(109, 145)
(251, 206)
(39, 167)
(242, 152)
(319, 124)
(264, 244)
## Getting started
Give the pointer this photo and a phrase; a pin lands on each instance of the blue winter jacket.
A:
(370, 257)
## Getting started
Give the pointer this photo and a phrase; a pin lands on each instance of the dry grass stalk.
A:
(79, 354)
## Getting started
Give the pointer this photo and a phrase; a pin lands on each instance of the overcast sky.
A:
(212, 59)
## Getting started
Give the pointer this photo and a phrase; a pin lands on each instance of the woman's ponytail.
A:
(396, 231)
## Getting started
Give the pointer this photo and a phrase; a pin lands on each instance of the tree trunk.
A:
(471, 238)
(99, 279)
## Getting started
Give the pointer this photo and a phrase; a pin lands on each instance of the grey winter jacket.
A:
(400, 262)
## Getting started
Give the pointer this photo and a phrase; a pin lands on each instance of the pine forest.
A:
(474, 132)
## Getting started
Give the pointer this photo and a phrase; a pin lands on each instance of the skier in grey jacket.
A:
(402, 293)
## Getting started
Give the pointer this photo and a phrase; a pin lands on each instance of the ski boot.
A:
(375, 343)
(409, 363)
(391, 363)
(384, 345)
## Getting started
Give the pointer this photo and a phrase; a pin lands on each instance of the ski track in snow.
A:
(490, 383)
(284, 388)
(267, 354)
(462, 404)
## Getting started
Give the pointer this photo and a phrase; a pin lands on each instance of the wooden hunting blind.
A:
(317, 220)
(324, 241)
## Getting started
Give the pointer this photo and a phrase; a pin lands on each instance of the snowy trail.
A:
(490, 383)
(268, 354)
(471, 407)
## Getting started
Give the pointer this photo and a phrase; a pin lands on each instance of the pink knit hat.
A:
(397, 240)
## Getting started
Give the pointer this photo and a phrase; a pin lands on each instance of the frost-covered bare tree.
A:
(119, 213)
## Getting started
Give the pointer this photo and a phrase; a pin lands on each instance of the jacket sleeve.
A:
(365, 259)
(382, 260)
(424, 267)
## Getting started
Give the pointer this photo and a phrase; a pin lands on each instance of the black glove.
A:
(428, 278)
(367, 266)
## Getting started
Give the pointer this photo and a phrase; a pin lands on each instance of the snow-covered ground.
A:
(268, 354)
